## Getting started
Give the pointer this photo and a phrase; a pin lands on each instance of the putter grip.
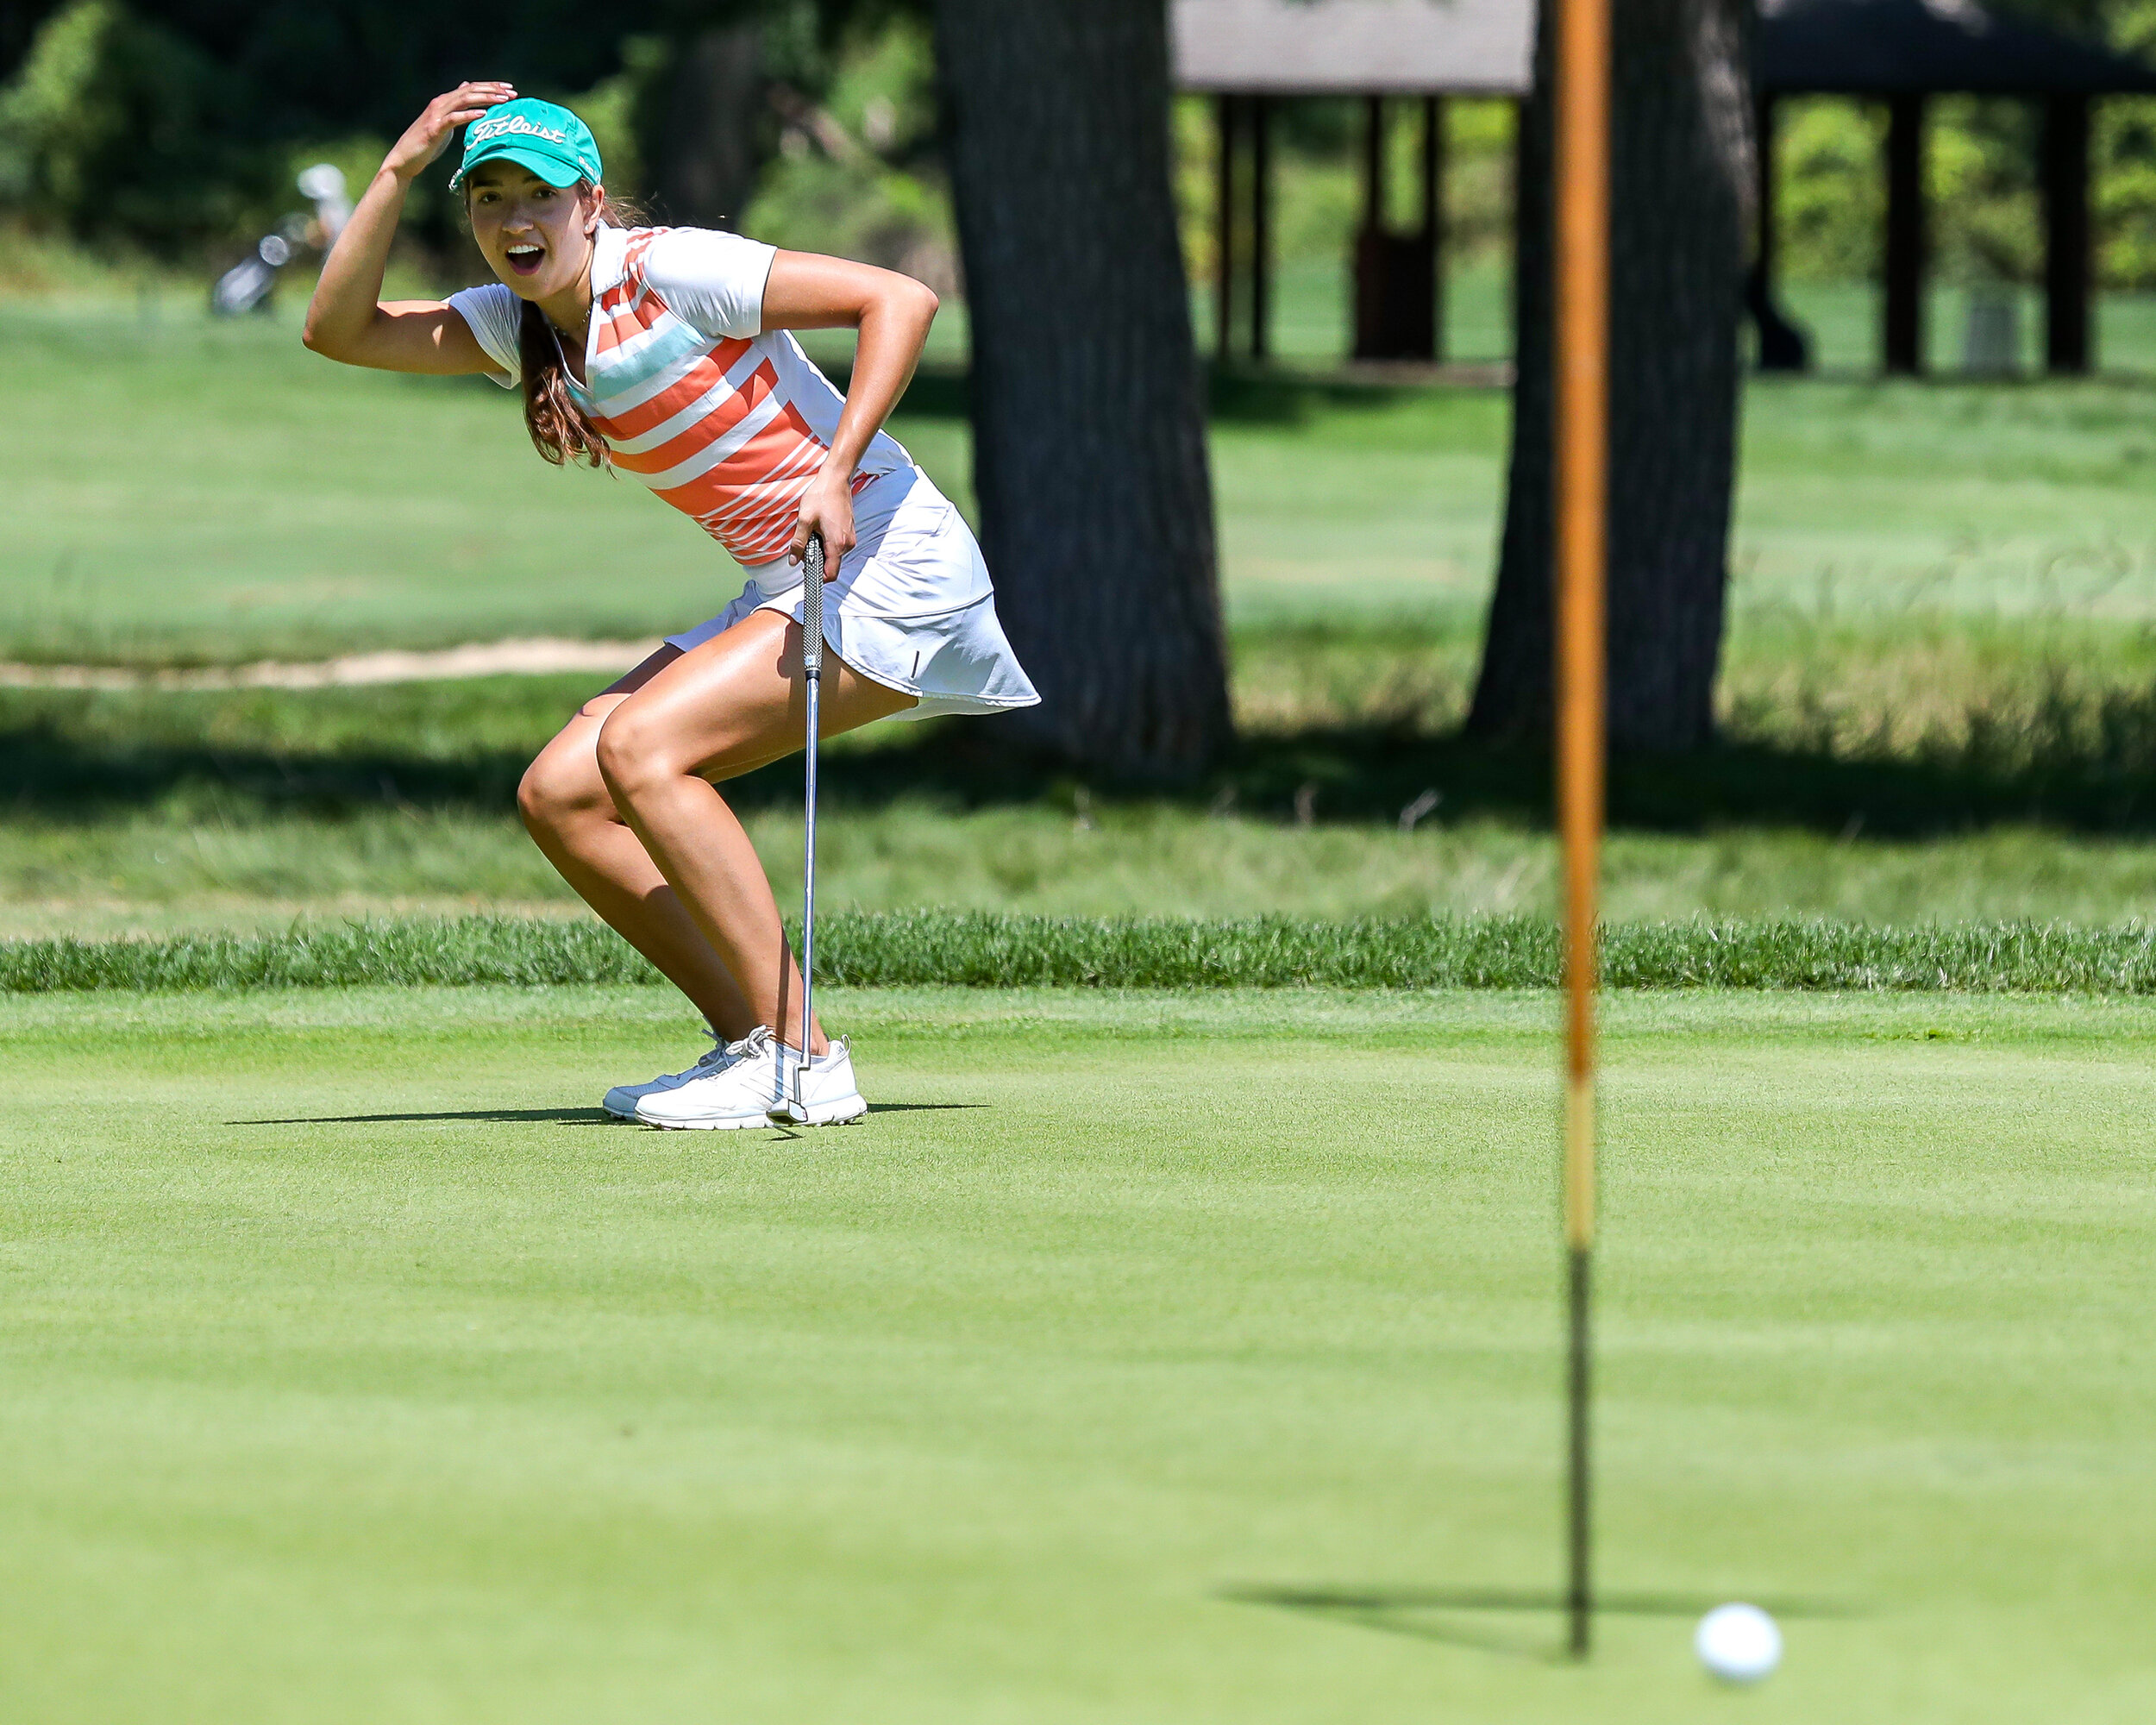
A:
(812, 607)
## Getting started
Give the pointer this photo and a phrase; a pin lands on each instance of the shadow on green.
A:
(1436, 1614)
(568, 1117)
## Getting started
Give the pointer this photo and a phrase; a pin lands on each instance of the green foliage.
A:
(855, 173)
(2125, 195)
(170, 125)
(1983, 180)
(989, 949)
(2125, 146)
(1832, 199)
(1987, 219)
(1192, 138)
(1987, 225)
(113, 128)
(1986, 214)
(617, 108)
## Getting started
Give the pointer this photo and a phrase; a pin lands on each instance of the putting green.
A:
(1144, 1358)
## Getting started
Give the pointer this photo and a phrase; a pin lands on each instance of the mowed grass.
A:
(1956, 784)
(1940, 635)
(191, 864)
(210, 491)
(1143, 1357)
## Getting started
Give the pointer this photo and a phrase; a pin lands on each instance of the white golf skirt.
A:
(910, 608)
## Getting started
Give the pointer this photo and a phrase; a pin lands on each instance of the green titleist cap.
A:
(548, 140)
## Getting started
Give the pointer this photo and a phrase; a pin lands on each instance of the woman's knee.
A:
(562, 785)
(635, 752)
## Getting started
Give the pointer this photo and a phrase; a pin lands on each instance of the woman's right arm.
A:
(345, 320)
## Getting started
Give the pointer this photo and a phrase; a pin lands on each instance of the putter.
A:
(811, 677)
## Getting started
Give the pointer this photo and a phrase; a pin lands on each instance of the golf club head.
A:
(792, 1109)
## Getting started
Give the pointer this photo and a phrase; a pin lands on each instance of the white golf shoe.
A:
(822, 1093)
(621, 1100)
(758, 1088)
(741, 1094)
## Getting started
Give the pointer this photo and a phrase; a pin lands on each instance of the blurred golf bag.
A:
(246, 286)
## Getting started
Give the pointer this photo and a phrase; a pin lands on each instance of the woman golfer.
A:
(664, 352)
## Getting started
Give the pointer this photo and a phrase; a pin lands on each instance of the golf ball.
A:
(1738, 1643)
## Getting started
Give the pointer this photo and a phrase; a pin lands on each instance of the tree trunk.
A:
(1089, 451)
(1681, 192)
(707, 153)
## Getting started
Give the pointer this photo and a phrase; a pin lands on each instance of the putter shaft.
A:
(812, 677)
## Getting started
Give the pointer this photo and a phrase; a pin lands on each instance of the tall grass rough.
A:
(989, 949)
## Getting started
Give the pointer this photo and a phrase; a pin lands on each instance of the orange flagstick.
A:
(1583, 490)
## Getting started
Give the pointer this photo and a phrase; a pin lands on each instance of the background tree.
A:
(1681, 176)
(170, 123)
(705, 120)
(704, 137)
(113, 127)
(1089, 428)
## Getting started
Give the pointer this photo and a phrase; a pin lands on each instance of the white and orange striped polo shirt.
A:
(726, 421)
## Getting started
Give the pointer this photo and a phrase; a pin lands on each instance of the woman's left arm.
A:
(893, 313)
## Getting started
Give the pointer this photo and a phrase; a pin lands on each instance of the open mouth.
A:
(525, 258)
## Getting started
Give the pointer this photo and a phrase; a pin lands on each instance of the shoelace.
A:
(762, 1040)
(719, 1056)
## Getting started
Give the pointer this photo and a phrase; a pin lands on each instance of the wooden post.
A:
(1433, 216)
(1224, 229)
(1373, 164)
(1367, 340)
(1583, 516)
(1260, 225)
(1782, 346)
(2066, 260)
(1903, 346)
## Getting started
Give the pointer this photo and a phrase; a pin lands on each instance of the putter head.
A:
(792, 1109)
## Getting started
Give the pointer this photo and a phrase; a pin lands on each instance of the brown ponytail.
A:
(560, 431)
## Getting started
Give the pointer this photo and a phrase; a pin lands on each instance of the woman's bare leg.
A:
(571, 818)
(723, 709)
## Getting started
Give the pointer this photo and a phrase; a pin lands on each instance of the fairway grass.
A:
(156, 873)
(1899, 786)
(1144, 1358)
(210, 492)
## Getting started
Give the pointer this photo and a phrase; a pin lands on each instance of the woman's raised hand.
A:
(429, 135)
